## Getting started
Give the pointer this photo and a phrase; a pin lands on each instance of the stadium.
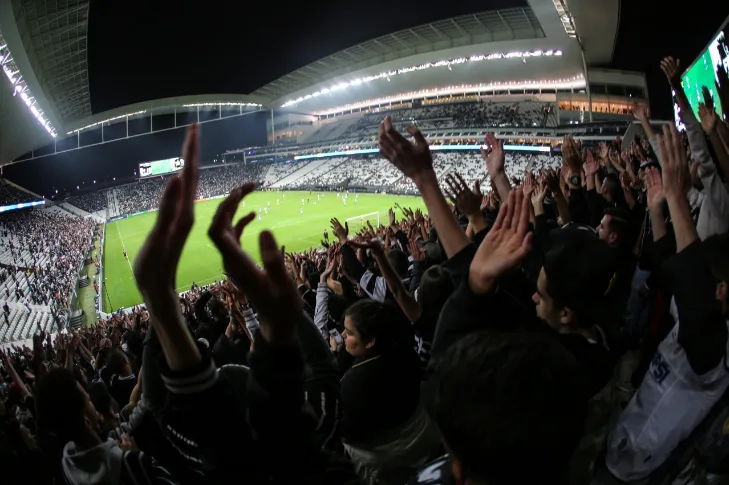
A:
(532, 80)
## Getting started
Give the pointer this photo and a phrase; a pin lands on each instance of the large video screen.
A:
(160, 167)
(704, 72)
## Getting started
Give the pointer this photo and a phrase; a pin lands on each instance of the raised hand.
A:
(676, 177)
(506, 245)
(412, 159)
(462, 197)
(641, 111)
(672, 69)
(538, 196)
(391, 214)
(493, 154)
(156, 264)
(551, 179)
(270, 290)
(591, 166)
(340, 231)
(654, 187)
(373, 244)
(708, 118)
(529, 185)
(416, 251)
(329, 269)
(571, 156)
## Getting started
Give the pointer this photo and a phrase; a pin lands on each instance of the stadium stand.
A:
(40, 254)
(12, 195)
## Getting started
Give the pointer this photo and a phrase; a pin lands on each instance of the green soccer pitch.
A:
(201, 263)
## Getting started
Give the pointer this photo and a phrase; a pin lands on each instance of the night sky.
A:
(142, 50)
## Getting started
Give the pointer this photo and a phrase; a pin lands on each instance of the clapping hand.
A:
(506, 245)
(270, 290)
(340, 231)
(654, 187)
(591, 166)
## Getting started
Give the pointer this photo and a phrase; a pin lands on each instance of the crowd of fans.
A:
(41, 250)
(91, 201)
(11, 195)
(478, 114)
(569, 327)
(146, 194)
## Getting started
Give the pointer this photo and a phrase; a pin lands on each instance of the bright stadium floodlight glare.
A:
(445, 63)
(574, 82)
(223, 103)
(20, 87)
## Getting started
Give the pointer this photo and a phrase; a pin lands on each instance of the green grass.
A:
(201, 261)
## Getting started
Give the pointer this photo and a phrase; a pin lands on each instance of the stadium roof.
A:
(44, 44)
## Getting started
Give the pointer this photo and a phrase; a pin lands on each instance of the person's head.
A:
(573, 284)
(436, 286)
(614, 228)
(217, 308)
(399, 261)
(118, 363)
(63, 408)
(610, 188)
(365, 324)
(502, 399)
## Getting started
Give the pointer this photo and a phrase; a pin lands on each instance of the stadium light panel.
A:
(428, 65)
(20, 86)
(108, 120)
(365, 151)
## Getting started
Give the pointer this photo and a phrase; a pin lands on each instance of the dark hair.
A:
(500, 398)
(371, 319)
(436, 286)
(59, 404)
(619, 224)
(115, 362)
(399, 261)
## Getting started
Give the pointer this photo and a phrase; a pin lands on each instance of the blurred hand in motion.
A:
(493, 153)
(412, 159)
(270, 290)
(462, 197)
(676, 177)
(506, 245)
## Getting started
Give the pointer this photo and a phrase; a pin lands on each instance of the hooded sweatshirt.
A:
(106, 463)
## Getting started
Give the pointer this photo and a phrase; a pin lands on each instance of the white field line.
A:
(125, 250)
